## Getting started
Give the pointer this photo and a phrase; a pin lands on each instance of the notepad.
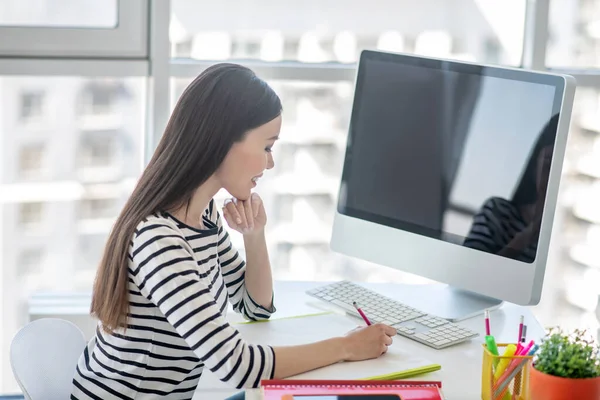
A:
(286, 390)
(397, 363)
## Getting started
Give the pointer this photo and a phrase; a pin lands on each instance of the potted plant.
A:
(566, 367)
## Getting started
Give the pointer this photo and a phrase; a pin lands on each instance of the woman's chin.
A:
(240, 194)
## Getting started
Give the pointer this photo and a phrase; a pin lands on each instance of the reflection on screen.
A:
(460, 157)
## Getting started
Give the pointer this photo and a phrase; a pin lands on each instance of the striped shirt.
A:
(496, 224)
(180, 280)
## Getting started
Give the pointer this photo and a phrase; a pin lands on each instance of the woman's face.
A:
(247, 159)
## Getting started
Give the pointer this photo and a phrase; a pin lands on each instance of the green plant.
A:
(568, 356)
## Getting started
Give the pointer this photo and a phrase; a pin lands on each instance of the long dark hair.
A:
(526, 192)
(215, 111)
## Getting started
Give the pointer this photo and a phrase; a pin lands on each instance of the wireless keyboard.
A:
(409, 322)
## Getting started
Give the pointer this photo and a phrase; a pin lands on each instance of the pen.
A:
(521, 343)
(520, 329)
(527, 349)
(362, 314)
(524, 335)
(487, 323)
(519, 348)
(409, 373)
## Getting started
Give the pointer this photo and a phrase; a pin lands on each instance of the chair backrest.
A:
(44, 355)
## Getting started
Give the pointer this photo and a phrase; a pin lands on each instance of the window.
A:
(31, 214)
(101, 97)
(30, 261)
(59, 13)
(320, 32)
(32, 106)
(98, 208)
(579, 266)
(31, 161)
(98, 149)
(48, 219)
(91, 248)
(573, 34)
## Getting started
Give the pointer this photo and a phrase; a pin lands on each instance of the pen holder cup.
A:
(505, 377)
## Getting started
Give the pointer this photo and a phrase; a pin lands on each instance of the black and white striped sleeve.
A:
(233, 268)
(165, 271)
(484, 233)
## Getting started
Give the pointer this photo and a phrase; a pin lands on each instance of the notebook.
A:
(296, 390)
(294, 331)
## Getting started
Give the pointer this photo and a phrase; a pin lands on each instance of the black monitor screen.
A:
(453, 151)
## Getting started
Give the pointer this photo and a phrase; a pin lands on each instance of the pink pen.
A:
(526, 349)
(362, 314)
(487, 323)
(520, 330)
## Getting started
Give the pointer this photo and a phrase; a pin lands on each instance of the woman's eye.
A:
(268, 149)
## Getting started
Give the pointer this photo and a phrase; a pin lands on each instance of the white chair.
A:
(44, 355)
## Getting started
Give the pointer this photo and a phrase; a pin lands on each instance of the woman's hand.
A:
(245, 216)
(368, 342)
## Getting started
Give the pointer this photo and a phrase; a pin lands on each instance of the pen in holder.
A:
(505, 376)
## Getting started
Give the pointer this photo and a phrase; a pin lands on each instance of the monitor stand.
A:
(438, 299)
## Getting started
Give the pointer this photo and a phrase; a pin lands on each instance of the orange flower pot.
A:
(548, 387)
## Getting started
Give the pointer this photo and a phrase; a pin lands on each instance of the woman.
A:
(169, 268)
(511, 228)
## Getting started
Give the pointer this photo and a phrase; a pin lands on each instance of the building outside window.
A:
(98, 149)
(31, 161)
(31, 214)
(98, 208)
(32, 105)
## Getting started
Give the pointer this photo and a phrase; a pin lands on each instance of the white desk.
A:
(461, 364)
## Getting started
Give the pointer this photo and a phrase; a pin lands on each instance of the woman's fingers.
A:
(248, 213)
(233, 212)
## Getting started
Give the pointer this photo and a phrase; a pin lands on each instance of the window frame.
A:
(127, 39)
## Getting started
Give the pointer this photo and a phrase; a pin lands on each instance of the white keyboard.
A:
(409, 322)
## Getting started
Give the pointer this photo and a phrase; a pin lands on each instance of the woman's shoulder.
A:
(499, 205)
(156, 222)
(498, 201)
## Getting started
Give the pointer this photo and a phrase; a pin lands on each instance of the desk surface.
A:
(461, 364)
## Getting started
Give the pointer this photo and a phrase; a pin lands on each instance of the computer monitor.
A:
(448, 167)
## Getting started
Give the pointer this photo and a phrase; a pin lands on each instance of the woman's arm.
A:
(360, 344)
(249, 218)
(259, 280)
(518, 243)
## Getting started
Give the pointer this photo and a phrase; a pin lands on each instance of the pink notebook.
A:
(297, 389)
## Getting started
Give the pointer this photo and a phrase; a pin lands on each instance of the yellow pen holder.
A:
(497, 370)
